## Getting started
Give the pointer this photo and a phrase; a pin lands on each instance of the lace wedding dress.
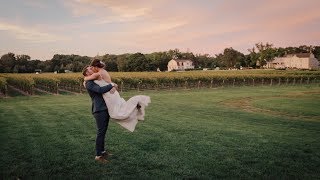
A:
(124, 112)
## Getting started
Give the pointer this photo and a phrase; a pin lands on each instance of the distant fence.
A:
(215, 83)
(54, 85)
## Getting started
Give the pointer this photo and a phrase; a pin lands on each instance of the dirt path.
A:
(70, 92)
(18, 90)
(246, 104)
(2, 95)
(43, 91)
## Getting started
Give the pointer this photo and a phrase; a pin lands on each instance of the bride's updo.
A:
(97, 63)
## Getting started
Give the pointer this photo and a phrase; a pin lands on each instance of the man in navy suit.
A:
(99, 111)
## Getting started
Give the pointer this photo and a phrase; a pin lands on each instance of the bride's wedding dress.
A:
(124, 112)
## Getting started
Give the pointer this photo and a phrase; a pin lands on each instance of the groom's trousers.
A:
(102, 120)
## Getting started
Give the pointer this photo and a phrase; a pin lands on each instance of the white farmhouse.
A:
(298, 61)
(180, 64)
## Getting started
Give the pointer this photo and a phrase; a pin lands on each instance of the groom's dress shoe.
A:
(101, 159)
(106, 154)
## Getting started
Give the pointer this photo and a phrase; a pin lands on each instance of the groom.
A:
(99, 111)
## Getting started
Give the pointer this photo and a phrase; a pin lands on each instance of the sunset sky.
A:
(42, 28)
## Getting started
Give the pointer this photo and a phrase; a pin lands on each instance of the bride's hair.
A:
(97, 63)
(84, 70)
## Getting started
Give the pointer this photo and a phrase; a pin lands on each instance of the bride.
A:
(125, 113)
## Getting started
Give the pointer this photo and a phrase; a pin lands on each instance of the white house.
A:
(180, 64)
(298, 61)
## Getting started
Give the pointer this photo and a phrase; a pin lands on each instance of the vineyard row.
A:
(74, 83)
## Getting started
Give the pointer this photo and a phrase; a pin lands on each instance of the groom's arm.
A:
(90, 85)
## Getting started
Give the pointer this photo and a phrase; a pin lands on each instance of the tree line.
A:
(257, 56)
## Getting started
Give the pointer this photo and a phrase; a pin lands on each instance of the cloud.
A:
(120, 26)
(35, 3)
(107, 11)
(161, 27)
(30, 34)
(79, 9)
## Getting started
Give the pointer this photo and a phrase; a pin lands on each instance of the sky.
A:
(42, 28)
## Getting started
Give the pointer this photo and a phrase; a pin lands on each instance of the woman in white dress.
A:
(125, 113)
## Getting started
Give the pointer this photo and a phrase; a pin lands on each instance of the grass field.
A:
(241, 132)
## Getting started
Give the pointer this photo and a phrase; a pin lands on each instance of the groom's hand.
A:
(113, 90)
(115, 85)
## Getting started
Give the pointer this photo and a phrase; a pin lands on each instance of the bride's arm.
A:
(93, 76)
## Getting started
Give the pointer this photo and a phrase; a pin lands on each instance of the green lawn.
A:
(242, 132)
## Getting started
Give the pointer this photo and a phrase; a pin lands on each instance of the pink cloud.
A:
(29, 33)
(202, 26)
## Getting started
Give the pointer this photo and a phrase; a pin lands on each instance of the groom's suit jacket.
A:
(95, 92)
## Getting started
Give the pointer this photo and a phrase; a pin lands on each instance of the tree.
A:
(7, 62)
(45, 66)
(232, 58)
(55, 63)
(219, 60)
(268, 54)
(252, 58)
(158, 60)
(281, 52)
(305, 49)
(174, 54)
(111, 62)
(22, 62)
(205, 61)
(291, 50)
(316, 52)
(138, 62)
(265, 53)
(122, 62)
(33, 65)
